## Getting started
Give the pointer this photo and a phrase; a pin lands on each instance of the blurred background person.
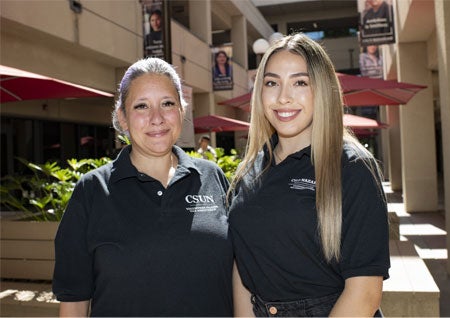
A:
(204, 148)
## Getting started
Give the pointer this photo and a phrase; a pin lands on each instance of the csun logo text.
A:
(198, 198)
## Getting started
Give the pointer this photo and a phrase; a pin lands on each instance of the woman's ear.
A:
(122, 119)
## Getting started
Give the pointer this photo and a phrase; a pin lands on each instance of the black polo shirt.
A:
(273, 226)
(138, 249)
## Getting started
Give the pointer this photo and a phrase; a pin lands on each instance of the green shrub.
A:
(44, 194)
(228, 163)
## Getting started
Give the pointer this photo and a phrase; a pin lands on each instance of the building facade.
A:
(91, 43)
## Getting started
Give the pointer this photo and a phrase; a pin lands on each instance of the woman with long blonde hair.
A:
(308, 218)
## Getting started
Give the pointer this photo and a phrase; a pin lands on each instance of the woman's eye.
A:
(301, 83)
(270, 83)
(140, 106)
(168, 104)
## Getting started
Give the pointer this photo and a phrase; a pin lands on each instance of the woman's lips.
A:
(286, 115)
(158, 133)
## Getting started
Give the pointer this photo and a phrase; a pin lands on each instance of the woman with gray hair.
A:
(146, 235)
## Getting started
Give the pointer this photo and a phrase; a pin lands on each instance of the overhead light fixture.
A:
(275, 37)
(260, 46)
(76, 6)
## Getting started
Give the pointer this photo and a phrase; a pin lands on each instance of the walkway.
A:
(427, 231)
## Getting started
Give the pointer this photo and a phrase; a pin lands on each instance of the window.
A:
(40, 141)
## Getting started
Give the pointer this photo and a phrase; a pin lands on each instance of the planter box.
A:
(27, 250)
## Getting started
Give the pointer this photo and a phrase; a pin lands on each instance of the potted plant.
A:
(41, 198)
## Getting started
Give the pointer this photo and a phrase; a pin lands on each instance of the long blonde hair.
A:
(327, 140)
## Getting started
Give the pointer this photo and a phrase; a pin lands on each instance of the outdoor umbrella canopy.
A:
(242, 101)
(359, 122)
(214, 123)
(366, 91)
(357, 91)
(18, 85)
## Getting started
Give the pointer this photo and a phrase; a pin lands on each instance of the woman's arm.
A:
(74, 309)
(241, 297)
(361, 297)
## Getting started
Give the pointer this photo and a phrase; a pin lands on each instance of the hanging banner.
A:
(153, 11)
(376, 22)
(371, 61)
(222, 70)
(186, 139)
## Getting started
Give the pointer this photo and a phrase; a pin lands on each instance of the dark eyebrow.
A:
(292, 75)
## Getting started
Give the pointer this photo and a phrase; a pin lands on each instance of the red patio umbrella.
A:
(359, 122)
(214, 123)
(366, 91)
(242, 101)
(17, 85)
(357, 91)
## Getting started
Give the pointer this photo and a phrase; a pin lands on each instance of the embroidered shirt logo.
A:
(200, 203)
(303, 184)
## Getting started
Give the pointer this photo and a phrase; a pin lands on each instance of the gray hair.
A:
(139, 68)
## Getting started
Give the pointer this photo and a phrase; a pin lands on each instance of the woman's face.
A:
(287, 97)
(221, 58)
(155, 22)
(153, 115)
(372, 49)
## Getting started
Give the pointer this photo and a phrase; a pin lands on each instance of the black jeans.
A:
(309, 307)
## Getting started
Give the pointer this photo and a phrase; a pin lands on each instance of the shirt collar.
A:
(297, 155)
(122, 167)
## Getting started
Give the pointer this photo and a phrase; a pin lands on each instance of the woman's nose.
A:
(285, 95)
(155, 116)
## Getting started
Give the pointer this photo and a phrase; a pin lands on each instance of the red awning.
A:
(238, 101)
(359, 122)
(214, 123)
(17, 85)
(366, 91)
(357, 91)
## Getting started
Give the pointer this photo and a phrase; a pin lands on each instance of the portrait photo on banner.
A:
(376, 24)
(153, 19)
(222, 68)
(371, 61)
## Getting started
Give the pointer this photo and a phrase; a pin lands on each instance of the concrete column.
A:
(200, 19)
(239, 40)
(442, 12)
(204, 104)
(282, 28)
(383, 143)
(395, 155)
(417, 131)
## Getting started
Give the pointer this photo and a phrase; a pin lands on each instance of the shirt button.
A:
(159, 193)
(273, 310)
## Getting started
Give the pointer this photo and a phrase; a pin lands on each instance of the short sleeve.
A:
(73, 274)
(365, 229)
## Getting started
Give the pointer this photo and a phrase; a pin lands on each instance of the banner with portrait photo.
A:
(371, 61)
(376, 22)
(222, 68)
(153, 11)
